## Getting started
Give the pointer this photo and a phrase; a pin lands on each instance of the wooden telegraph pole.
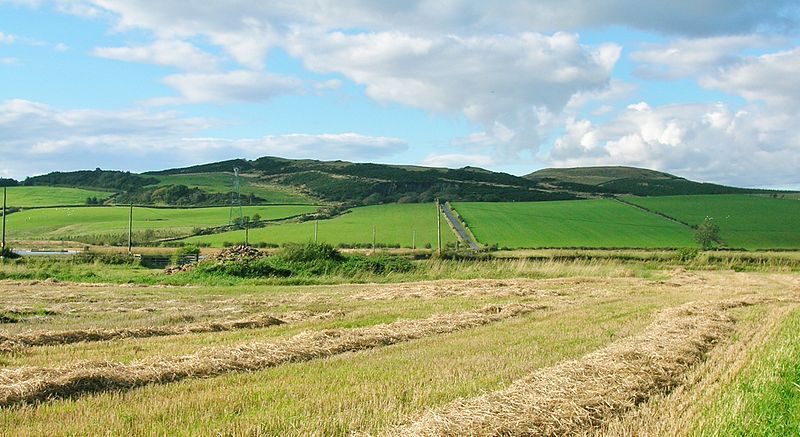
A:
(414, 239)
(130, 230)
(438, 228)
(3, 251)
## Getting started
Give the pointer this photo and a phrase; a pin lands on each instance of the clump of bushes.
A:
(687, 254)
(117, 259)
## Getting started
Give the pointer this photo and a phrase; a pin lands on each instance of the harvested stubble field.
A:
(396, 358)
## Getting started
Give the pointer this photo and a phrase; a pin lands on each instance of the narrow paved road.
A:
(458, 227)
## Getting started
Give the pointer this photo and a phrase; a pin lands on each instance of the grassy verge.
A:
(765, 398)
(65, 271)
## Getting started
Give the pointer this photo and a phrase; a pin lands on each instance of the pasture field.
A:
(572, 223)
(750, 222)
(73, 223)
(394, 224)
(223, 183)
(33, 197)
(380, 359)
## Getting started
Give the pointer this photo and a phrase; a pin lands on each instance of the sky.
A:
(705, 89)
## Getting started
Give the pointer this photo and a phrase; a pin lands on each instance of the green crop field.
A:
(69, 223)
(223, 183)
(573, 223)
(751, 222)
(394, 224)
(31, 197)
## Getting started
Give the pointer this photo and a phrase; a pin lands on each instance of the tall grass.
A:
(764, 400)
(385, 268)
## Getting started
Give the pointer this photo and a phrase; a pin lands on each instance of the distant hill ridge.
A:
(366, 183)
(629, 180)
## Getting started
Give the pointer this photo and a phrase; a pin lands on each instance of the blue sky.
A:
(703, 89)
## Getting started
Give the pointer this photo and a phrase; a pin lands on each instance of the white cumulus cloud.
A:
(232, 86)
(457, 160)
(37, 138)
(506, 84)
(709, 142)
(7, 38)
(698, 56)
(321, 146)
(769, 78)
(172, 53)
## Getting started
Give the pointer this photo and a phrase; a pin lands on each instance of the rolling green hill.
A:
(278, 180)
(394, 224)
(357, 183)
(627, 180)
(751, 222)
(597, 223)
(251, 185)
(272, 180)
(500, 208)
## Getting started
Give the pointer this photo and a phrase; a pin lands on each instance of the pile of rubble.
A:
(235, 254)
(171, 270)
(238, 254)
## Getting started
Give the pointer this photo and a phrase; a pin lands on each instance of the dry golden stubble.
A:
(28, 384)
(10, 343)
(578, 396)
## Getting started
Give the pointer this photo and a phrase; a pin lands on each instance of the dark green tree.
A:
(707, 233)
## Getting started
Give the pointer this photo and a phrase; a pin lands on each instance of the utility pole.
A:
(5, 193)
(247, 232)
(438, 228)
(316, 230)
(236, 198)
(373, 238)
(130, 230)
(414, 239)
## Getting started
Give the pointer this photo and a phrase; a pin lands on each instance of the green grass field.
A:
(31, 197)
(223, 183)
(69, 223)
(764, 399)
(573, 223)
(395, 224)
(751, 222)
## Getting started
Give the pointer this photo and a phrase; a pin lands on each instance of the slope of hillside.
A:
(365, 183)
(598, 175)
(271, 180)
(627, 180)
